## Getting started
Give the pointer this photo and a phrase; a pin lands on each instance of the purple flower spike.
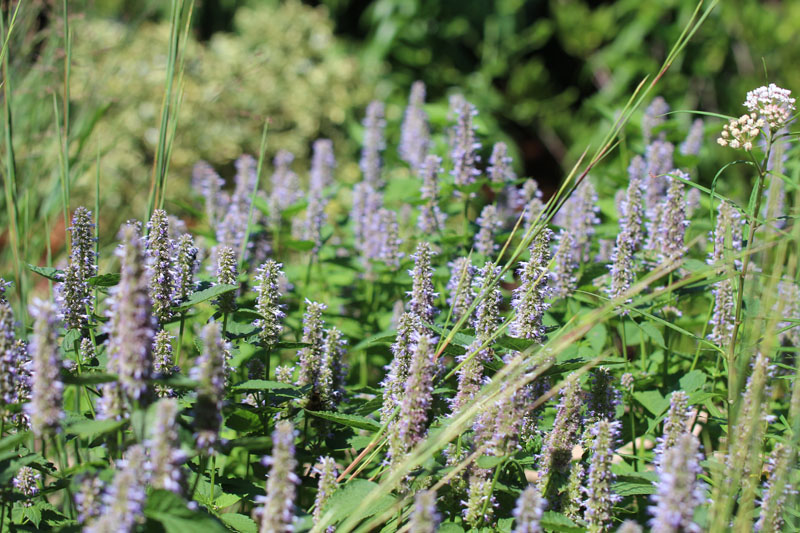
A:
(529, 510)
(374, 143)
(285, 187)
(227, 274)
(268, 303)
(600, 497)
(422, 293)
(464, 147)
(777, 489)
(415, 133)
(131, 328)
(679, 492)
(557, 449)
(694, 139)
(322, 164)
(654, 117)
(166, 456)
(500, 170)
(327, 485)
(411, 423)
(186, 265)
(529, 299)
(395, 381)
(73, 294)
(459, 287)
(161, 270)
(431, 217)
(211, 371)
(489, 223)
(276, 512)
(123, 504)
(424, 516)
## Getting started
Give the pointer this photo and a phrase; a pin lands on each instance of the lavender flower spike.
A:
(285, 187)
(26, 482)
(679, 492)
(131, 327)
(675, 424)
(73, 294)
(653, 117)
(45, 407)
(424, 517)
(163, 361)
(311, 356)
(415, 133)
(422, 293)
(327, 485)
(208, 183)
(123, 504)
(604, 396)
(599, 496)
(161, 270)
(464, 146)
(374, 143)
(411, 423)
(322, 164)
(227, 274)
(268, 303)
(8, 364)
(431, 217)
(459, 287)
(529, 510)
(557, 449)
(276, 513)
(694, 139)
(395, 381)
(528, 300)
(565, 263)
(211, 372)
(186, 265)
(489, 223)
(166, 456)
(500, 170)
(776, 489)
(672, 224)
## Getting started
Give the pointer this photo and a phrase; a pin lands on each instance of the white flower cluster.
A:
(773, 104)
(741, 132)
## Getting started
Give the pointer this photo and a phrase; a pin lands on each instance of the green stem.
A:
(755, 204)
(203, 465)
(213, 475)
(180, 339)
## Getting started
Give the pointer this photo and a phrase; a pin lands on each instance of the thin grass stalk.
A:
(262, 151)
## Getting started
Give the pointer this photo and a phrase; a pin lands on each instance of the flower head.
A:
(227, 274)
(161, 269)
(528, 511)
(464, 145)
(489, 223)
(422, 293)
(186, 264)
(424, 517)
(678, 490)
(123, 504)
(268, 304)
(211, 372)
(73, 293)
(529, 299)
(773, 105)
(374, 143)
(500, 170)
(741, 132)
(322, 164)
(166, 456)
(45, 408)
(326, 486)
(600, 497)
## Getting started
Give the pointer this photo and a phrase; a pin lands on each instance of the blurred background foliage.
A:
(547, 77)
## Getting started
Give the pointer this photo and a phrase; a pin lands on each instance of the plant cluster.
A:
(574, 364)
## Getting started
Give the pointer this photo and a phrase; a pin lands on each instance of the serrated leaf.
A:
(226, 500)
(627, 488)
(354, 421)
(205, 295)
(48, 272)
(13, 440)
(450, 527)
(104, 280)
(692, 381)
(34, 514)
(239, 522)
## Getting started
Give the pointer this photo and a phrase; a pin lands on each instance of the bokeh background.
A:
(547, 76)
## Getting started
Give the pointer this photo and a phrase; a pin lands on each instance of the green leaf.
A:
(104, 280)
(300, 246)
(693, 381)
(205, 295)
(292, 345)
(239, 522)
(93, 378)
(48, 272)
(13, 440)
(344, 502)
(280, 389)
(628, 488)
(354, 421)
(489, 461)
(651, 331)
(176, 517)
(553, 521)
(72, 336)
(652, 401)
(91, 428)
(597, 337)
(226, 500)
(34, 514)
(450, 527)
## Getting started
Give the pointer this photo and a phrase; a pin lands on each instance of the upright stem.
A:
(752, 227)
